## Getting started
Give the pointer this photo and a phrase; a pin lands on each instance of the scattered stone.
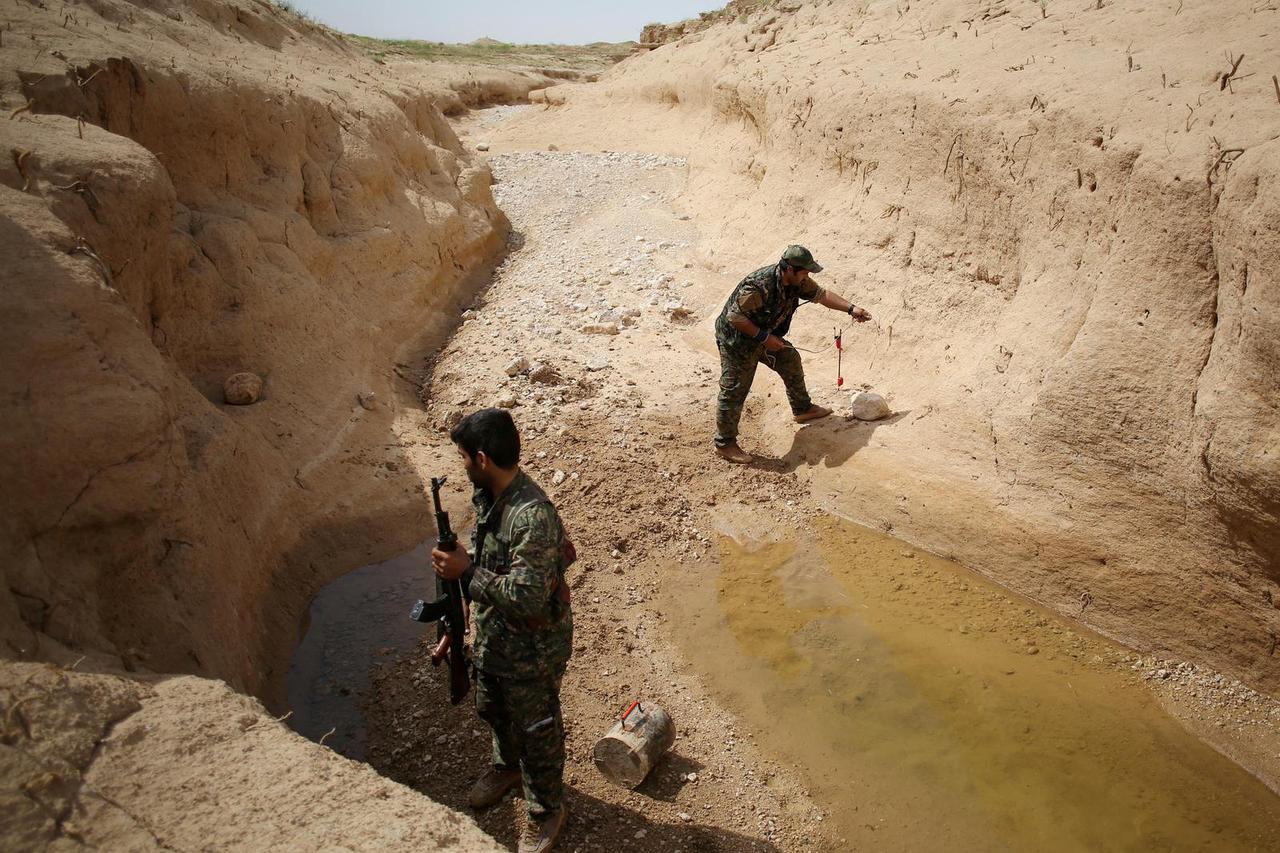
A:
(869, 407)
(557, 478)
(553, 147)
(517, 366)
(600, 329)
(242, 389)
(507, 400)
(368, 400)
(544, 373)
(482, 146)
(676, 310)
(685, 816)
(597, 362)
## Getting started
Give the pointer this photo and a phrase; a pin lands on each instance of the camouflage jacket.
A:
(520, 609)
(763, 299)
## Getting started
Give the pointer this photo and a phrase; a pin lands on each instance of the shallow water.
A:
(931, 710)
(355, 622)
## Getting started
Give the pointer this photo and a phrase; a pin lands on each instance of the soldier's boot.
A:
(492, 786)
(734, 453)
(812, 414)
(540, 835)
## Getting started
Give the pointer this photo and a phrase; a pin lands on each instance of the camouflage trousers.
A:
(738, 364)
(528, 733)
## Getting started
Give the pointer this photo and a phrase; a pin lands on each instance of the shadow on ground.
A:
(830, 442)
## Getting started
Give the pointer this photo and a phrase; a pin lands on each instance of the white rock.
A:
(517, 366)
(507, 400)
(367, 400)
(597, 362)
(558, 477)
(482, 146)
(867, 406)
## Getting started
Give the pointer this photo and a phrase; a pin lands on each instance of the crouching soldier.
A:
(514, 571)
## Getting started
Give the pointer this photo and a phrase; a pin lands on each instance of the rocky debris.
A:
(557, 478)
(599, 329)
(507, 400)
(676, 310)
(867, 406)
(482, 146)
(368, 400)
(516, 366)
(544, 374)
(242, 389)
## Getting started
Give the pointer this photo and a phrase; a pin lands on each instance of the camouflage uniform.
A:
(764, 300)
(524, 635)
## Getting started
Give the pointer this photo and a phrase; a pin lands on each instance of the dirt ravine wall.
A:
(189, 190)
(1064, 220)
(194, 191)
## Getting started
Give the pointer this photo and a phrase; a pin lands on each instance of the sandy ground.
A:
(618, 429)
(598, 239)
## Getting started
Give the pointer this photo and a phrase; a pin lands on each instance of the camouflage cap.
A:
(801, 258)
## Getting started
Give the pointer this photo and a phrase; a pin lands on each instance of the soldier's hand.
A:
(773, 343)
(450, 564)
(860, 314)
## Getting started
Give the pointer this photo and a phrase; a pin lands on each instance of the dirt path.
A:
(617, 427)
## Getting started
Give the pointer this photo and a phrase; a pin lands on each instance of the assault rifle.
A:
(447, 610)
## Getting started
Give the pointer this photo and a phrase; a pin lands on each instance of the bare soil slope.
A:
(1064, 221)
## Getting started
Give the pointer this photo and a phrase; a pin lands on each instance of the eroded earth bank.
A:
(1063, 221)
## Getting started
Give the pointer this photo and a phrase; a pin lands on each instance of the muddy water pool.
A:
(356, 621)
(928, 709)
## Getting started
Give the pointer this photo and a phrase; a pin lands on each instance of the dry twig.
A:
(20, 156)
(1235, 66)
(82, 247)
(326, 734)
(1222, 160)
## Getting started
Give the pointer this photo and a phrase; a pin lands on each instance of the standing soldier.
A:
(514, 571)
(750, 330)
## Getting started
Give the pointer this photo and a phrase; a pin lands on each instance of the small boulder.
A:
(506, 400)
(557, 478)
(482, 146)
(517, 366)
(867, 406)
(600, 329)
(368, 400)
(242, 389)
(544, 373)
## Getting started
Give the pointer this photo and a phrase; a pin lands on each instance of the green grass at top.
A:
(487, 52)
